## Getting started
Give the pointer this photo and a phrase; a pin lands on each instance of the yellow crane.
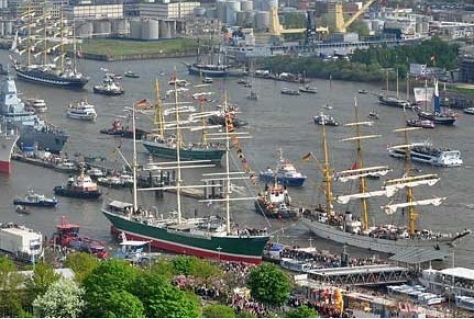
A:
(275, 28)
(341, 25)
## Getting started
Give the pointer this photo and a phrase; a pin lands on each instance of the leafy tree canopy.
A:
(192, 266)
(63, 299)
(82, 264)
(161, 299)
(302, 312)
(269, 284)
(121, 304)
(218, 311)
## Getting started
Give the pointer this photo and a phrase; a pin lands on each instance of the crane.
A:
(276, 28)
(341, 25)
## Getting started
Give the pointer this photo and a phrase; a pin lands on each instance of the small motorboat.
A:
(242, 81)
(207, 80)
(362, 91)
(131, 74)
(308, 89)
(66, 166)
(420, 123)
(34, 199)
(95, 172)
(469, 110)
(324, 119)
(374, 115)
(288, 91)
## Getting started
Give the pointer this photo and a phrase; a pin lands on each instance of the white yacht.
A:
(82, 110)
(428, 154)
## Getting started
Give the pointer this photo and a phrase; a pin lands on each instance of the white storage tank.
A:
(165, 32)
(231, 11)
(262, 20)
(85, 29)
(258, 5)
(102, 28)
(120, 26)
(8, 27)
(221, 10)
(135, 29)
(199, 11)
(150, 30)
(246, 5)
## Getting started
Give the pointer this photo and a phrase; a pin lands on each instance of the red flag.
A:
(354, 166)
(142, 104)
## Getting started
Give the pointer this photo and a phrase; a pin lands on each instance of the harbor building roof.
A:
(459, 272)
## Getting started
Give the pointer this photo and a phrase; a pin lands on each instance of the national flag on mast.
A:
(354, 166)
(307, 157)
(142, 104)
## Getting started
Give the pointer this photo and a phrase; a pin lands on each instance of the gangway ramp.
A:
(370, 275)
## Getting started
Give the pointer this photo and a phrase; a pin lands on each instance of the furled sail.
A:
(391, 209)
(344, 199)
(411, 181)
(354, 174)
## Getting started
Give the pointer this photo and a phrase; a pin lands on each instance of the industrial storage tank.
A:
(262, 20)
(165, 32)
(199, 11)
(221, 10)
(102, 28)
(85, 29)
(231, 11)
(258, 5)
(8, 27)
(150, 30)
(135, 29)
(120, 26)
(246, 5)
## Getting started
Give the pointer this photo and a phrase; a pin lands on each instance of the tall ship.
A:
(213, 237)
(164, 145)
(42, 55)
(437, 116)
(209, 69)
(355, 230)
(8, 140)
(33, 130)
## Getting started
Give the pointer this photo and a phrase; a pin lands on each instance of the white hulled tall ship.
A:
(346, 229)
(43, 57)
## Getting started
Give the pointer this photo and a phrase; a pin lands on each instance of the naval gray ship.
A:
(34, 131)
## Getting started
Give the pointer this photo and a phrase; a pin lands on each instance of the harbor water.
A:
(275, 121)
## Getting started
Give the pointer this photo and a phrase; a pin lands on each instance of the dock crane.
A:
(341, 25)
(276, 29)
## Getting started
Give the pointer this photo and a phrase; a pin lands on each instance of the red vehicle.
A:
(67, 235)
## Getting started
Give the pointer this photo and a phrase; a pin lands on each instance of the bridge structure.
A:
(371, 275)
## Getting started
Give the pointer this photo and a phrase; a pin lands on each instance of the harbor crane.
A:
(341, 25)
(276, 29)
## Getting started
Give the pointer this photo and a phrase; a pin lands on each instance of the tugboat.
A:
(67, 236)
(275, 203)
(37, 200)
(108, 87)
(80, 186)
(118, 130)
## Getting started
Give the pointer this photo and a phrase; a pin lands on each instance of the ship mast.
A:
(178, 147)
(45, 44)
(134, 162)
(159, 118)
(327, 174)
(360, 164)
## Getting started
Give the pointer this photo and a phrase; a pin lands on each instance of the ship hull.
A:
(394, 102)
(7, 142)
(194, 154)
(194, 70)
(107, 92)
(139, 133)
(61, 191)
(44, 140)
(436, 119)
(233, 248)
(37, 76)
(261, 209)
(288, 181)
(35, 204)
(82, 117)
(375, 244)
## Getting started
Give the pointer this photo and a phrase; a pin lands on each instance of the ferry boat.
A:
(275, 202)
(428, 154)
(347, 228)
(285, 173)
(35, 199)
(80, 186)
(209, 237)
(82, 110)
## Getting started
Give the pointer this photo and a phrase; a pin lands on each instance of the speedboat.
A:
(308, 89)
(288, 91)
(362, 92)
(420, 123)
(131, 74)
(207, 80)
(35, 199)
(374, 115)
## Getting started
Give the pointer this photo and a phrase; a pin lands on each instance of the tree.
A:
(43, 276)
(109, 276)
(161, 299)
(269, 284)
(218, 311)
(302, 312)
(192, 266)
(11, 298)
(63, 299)
(121, 304)
(82, 264)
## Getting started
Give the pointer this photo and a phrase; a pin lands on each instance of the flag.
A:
(307, 157)
(354, 166)
(141, 104)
